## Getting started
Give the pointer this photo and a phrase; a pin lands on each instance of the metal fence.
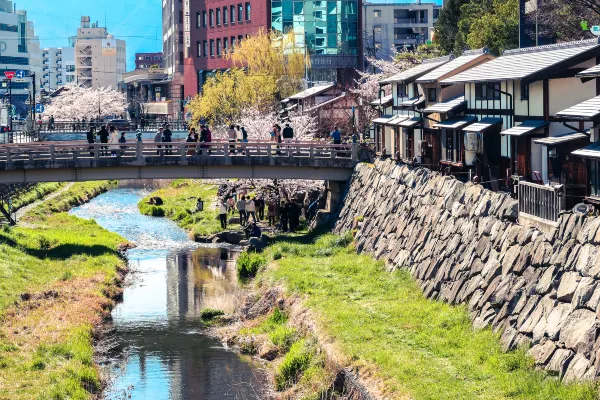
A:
(541, 201)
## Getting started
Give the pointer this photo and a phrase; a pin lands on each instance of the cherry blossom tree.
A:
(77, 102)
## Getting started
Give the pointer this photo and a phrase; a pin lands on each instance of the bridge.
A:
(80, 161)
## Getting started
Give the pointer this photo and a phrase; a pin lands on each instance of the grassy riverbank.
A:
(36, 193)
(58, 274)
(180, 206)
(380, 322)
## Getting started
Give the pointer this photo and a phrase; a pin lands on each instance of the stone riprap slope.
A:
(463, 245)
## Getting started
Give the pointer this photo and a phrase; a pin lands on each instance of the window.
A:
(225, 16)
(218, 16)
(205, 48)
(524, 92)
(232, 14)
(401, 91)
(198, 49)
(180, 37)
(377, 30)
(203, 19)
(212, 47)
(70, 78)
(9, 28)
(225, 44)
(218, 47)
(432, 95)
(247, 11)
(232, 42)
(240, 38)
(487, 91)
(181, 16)
(212, 18)
(240, 12)
(377, 13)
(320, 42)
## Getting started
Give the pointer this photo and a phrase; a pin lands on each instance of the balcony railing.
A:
(410, 20)
(406, 36)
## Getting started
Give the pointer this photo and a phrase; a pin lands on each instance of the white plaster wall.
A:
(565, 93)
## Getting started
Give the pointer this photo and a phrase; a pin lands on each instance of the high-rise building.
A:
(19, 50)
(173, 51)
(214, 28)
(329, 30)
(100, 59)
(58, 68)
(397, 25)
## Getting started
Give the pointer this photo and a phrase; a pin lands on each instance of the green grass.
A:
(77, 194)
(46, 351)
(210, 313)
(421, 349)
(36, 193)
(248, 264)
(180, 206)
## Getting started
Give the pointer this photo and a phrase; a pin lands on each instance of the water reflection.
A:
(157, 326)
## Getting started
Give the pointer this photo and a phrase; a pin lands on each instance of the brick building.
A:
(215, 26)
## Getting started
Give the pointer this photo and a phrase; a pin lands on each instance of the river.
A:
(162, 350)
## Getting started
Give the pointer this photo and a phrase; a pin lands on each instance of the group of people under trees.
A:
(282, 214)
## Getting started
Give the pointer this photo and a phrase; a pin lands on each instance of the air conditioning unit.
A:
(474, 142)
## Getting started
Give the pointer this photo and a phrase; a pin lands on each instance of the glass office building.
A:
(328, 30)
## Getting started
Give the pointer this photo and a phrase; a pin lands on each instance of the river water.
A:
(163, 352)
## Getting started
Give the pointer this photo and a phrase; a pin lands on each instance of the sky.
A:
(138, 22)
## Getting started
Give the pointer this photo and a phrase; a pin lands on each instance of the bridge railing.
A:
(140, 152)
(78, 126)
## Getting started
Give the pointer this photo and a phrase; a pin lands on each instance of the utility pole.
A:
(34, 103)
(374, 49)
(10, 117)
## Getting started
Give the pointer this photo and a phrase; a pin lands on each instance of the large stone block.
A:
(568, 284)
(579, 331)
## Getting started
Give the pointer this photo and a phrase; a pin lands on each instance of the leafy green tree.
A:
(562, 19)
(490, 23)
(446, 27)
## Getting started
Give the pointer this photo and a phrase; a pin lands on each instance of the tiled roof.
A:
(525, 63)
(590, 72)
(589, 109)
(483, 125)
(417, 71)
(384, 100)
(455, 123)
(564, 138)
(447, 106)
(412, 102)
(591, 151)
(448, 68)
(409, 123)
(525, 128)
(313, 91)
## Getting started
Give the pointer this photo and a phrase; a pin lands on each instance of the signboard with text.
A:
(109, 47)
(9, 74)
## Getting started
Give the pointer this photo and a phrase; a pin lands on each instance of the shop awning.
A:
(586, 111)
(409, 123)
(447, 106)
(591, 151)
(412, 102)
(455, 123)
(564, 138)
(526, 128)
(483, 125)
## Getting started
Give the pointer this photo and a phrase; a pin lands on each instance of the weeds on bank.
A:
(36, 193)
(179, 205)
(54, 280)
(419, 348)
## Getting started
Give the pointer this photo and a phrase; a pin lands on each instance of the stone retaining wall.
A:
(463, 245)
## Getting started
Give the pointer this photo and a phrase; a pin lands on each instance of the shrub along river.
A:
(161, 349)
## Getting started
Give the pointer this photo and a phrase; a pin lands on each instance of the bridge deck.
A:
(80, 161)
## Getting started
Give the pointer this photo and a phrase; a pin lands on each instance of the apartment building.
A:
(58, 68)
(215, 27)
(174, 51)
(397, 25)
(147, 60)
(100, 59)
(19, 50)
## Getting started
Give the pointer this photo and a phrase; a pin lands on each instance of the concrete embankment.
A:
(463, 245)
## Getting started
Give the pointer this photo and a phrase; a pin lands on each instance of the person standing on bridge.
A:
(232, 136)
(167, 137)
(336, 135)
(158, 138)
(288, 136)
(51, 125)
(103, 139)
(91, 138)
(250, 210)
